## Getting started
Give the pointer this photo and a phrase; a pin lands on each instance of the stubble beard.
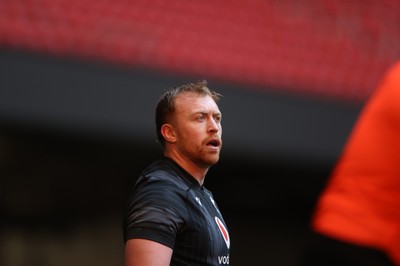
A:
(202, 157)
(208, 159)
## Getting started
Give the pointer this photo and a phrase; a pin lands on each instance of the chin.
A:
(212, 161)
(208, 160)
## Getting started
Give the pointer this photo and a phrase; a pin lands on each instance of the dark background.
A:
(79, 81)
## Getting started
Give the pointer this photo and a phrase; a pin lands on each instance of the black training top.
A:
(168, 205)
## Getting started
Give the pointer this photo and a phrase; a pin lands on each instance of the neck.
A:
(198, 172)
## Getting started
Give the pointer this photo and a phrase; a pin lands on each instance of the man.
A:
(171, 218)
(357, 219)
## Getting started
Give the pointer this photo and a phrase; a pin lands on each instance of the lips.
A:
(215, 143)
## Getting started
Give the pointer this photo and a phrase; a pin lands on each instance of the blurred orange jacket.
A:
(361, 203)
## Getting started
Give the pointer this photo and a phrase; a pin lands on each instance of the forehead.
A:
(194, 102)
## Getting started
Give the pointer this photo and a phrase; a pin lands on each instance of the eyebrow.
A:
(206, 113)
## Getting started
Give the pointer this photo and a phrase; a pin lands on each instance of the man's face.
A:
(197, 125)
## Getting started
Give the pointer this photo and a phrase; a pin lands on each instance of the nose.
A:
(214, 126)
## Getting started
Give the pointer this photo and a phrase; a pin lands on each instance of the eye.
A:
(200, 118)
(218, 118)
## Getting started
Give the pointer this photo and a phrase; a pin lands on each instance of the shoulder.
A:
(156, 198)
(161, 184)
(164, 173)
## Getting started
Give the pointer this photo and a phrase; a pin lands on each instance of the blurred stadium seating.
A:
(326, 48)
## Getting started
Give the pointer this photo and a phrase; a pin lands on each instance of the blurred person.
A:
(357, 218)
(171, 218)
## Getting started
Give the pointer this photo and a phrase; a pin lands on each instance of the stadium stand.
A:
(327, 48)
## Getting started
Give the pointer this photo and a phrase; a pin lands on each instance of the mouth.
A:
(214, 143)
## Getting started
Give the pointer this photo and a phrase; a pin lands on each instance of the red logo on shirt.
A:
(223, 231)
